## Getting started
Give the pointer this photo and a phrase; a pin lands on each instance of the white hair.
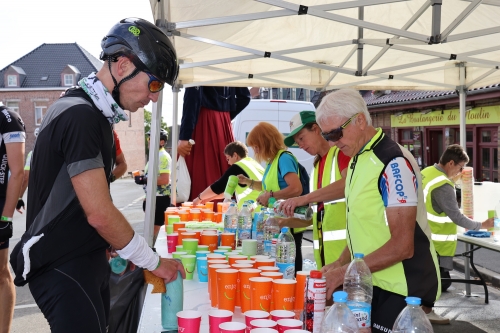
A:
(342, 104)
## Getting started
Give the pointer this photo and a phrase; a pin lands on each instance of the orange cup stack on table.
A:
(245, 290)
(184, 215)
(226, 288)
(209, 205)
(264, 262)
(195, 215)
(284, 294)
(210, 239)
(300, 287)
(208, 215)
(212, 279)
(261, 293)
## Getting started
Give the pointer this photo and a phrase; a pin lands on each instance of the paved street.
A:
(467, 314)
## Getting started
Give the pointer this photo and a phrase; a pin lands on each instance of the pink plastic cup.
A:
(284, 325)
(263, 330)
(252, 315)
(263, 323)
(282, 314)
(189, 321)
(232, 327)
(217, 317)
(172, 240)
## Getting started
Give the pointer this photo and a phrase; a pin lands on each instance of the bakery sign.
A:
(479, 115)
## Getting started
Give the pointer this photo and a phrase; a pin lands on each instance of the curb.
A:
(492, 278)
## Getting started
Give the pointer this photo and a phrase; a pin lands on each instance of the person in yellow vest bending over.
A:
(281, 177)
(443, 213)
(330, 165)
(240, 164)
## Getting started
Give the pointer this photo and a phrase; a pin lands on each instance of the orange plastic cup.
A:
(208, 215)
(166, 214)
(184, 215)
(238, 282)
(272, 275)
(195, 215)
(261, 293)
(233, 258)
(300, 287)
(264, 262)
(219, 207)
(258, 256)
(269, 268)
(241, 266)
(187, 204)
(245, 290)
(197, 232)
(226, 288)
(246, 262)
(212, 280)
(211, 240)
(178, 226)
(284, 294)
(228, 239)
(209, 205)
(183, 235)
(136, 173)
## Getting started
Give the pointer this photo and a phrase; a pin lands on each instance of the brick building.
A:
(33, 82)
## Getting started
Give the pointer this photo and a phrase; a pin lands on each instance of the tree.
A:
(147, 128)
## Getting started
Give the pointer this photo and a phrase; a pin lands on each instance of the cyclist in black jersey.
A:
(12, 137)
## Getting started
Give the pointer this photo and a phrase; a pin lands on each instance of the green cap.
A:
(297, 123)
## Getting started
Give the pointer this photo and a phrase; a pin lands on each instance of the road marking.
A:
(25, 306)
(132, 203)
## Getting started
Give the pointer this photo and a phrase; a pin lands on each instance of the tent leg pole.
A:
(361, 16)
(462, 95)
(175, 137)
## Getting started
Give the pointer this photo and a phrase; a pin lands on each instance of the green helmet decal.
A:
(134, 30)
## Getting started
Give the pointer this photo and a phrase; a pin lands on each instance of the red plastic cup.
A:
(189, 321)
(264, 330)
(172, 242)
(232, 327)
(289, 324)
(282, 314)
(217, 317)
(252, 315)
(263, 323)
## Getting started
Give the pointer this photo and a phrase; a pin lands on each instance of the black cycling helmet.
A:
(163, 134)
(145, 45)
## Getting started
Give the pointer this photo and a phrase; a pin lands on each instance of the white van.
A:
(276, 112)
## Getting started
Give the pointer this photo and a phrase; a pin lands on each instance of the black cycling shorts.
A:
(5, 245)
(74, 297)
(162, 203)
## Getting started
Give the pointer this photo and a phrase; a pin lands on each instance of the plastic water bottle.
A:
(412, 319)
(172, 302)
(496, 225)
(339, 319)
(244, 224)
(359, 287)
(271, 228)
(258, 229)
(301, 212)
(315, 302)
(118, 264)
(285, 253)
(231, 218)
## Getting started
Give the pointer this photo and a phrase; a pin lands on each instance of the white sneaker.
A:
(434, 318)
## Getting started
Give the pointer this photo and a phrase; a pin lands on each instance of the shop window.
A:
(470, 153)
(39, 114)
(13, 106)
(485, 136)
(469, 136)
(12, 80)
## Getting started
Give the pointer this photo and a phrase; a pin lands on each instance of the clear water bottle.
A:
(231, 218)
(496, 225)
(225, 205)
(339, 319)
(412, 319)
(258, 229)
(271, 228)
(301, 212)
(285, 253)
(244, 224)
(359, 287)
(118, 264)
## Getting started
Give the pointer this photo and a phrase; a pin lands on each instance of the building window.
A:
(13, 106)
(39, 114)
(68, 79)
(12, 80)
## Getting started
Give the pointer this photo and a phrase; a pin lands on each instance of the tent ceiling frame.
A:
(348, 20)
(341, 65)
(404, 66)
(472, 34)
(274, 14)
(217, 61)
(460, 18)
(479, 78)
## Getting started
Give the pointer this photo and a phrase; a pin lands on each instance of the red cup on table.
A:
(252, 315)
(232, 327)
(189, 321)
(172, 242)
(217, 317)
(282, 314)
(284, 325)
(263, 323)
(263, 330)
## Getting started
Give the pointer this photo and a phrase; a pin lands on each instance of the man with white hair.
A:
(386, 215)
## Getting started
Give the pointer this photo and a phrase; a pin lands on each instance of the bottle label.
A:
(244, 234)
(361, 312)
(267, 246)
(315, 304)
(288, 269)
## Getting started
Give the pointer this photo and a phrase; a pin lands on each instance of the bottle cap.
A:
(284, 230)
(358, 255)
(340, 297)
(315, 274)
(413, 300)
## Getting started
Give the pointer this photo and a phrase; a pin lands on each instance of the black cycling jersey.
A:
(11, 130)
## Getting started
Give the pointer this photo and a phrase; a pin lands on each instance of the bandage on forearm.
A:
(138, 252)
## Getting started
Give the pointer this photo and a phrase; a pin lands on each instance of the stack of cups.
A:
(300, 287)
(468, 192)
(249, 247)
(226, 288)
(217, 317)
(189, 321)
(189, 263)
(210, 239)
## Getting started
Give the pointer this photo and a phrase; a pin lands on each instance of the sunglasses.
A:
(154, 84)
(336, 134)
(461, 167)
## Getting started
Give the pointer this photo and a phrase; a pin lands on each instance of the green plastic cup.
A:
(203, 247)
(190, 245)
(189, 263)
(249, 247)
(232, 182)
(173, 218)
(170, 229)
(178, 255)
(491, 213)
(229, 248)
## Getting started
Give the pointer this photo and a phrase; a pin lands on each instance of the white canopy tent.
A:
(323, 45)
